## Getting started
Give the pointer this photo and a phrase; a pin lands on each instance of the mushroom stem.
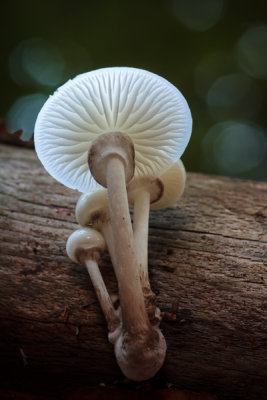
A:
(132, 304)
(85, 246)
(106, 231)
(102, 293)
(140, 229)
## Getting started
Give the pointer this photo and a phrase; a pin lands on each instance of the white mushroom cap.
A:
(164, 191)
(152, 185)
(85, 242)
(136, 102)
(173, 180)
(92, 209)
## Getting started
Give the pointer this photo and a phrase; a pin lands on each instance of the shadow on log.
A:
(207, 261)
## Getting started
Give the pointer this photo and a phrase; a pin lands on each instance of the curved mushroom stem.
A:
(131, 297)
(102, 294)
(111, 161)
(139, 348)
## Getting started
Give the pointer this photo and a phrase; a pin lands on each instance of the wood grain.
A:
(207, 261)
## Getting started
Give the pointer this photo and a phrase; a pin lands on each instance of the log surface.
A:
(207, 262)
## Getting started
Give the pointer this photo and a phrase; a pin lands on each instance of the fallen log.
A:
(207, 262)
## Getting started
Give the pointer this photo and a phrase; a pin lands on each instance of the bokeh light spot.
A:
(234, 96)
(23, 113)
(209, 68)
(235, 147)
(252, 51)
(36, 61)
(199, 15)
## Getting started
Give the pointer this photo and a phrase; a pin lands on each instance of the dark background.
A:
(214, 51)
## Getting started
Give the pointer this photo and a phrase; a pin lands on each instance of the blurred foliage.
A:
(214, 51)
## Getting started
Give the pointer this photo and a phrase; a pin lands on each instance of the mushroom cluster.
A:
(117, 135)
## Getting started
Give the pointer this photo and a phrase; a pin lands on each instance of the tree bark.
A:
(207, 265)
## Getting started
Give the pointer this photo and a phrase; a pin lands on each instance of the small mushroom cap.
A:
(85, 242)
(93, 209)
(153, 186)
(173, 180)
(138, 103)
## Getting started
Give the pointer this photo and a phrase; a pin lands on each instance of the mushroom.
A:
(146, 193)
(85, 246)
(140, 348)
(141, 192)
(92, 210)
(173, 181)
(134, 123)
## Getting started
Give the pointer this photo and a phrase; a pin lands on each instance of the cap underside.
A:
(135, 102)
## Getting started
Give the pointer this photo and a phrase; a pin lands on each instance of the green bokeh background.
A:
(200, 46)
